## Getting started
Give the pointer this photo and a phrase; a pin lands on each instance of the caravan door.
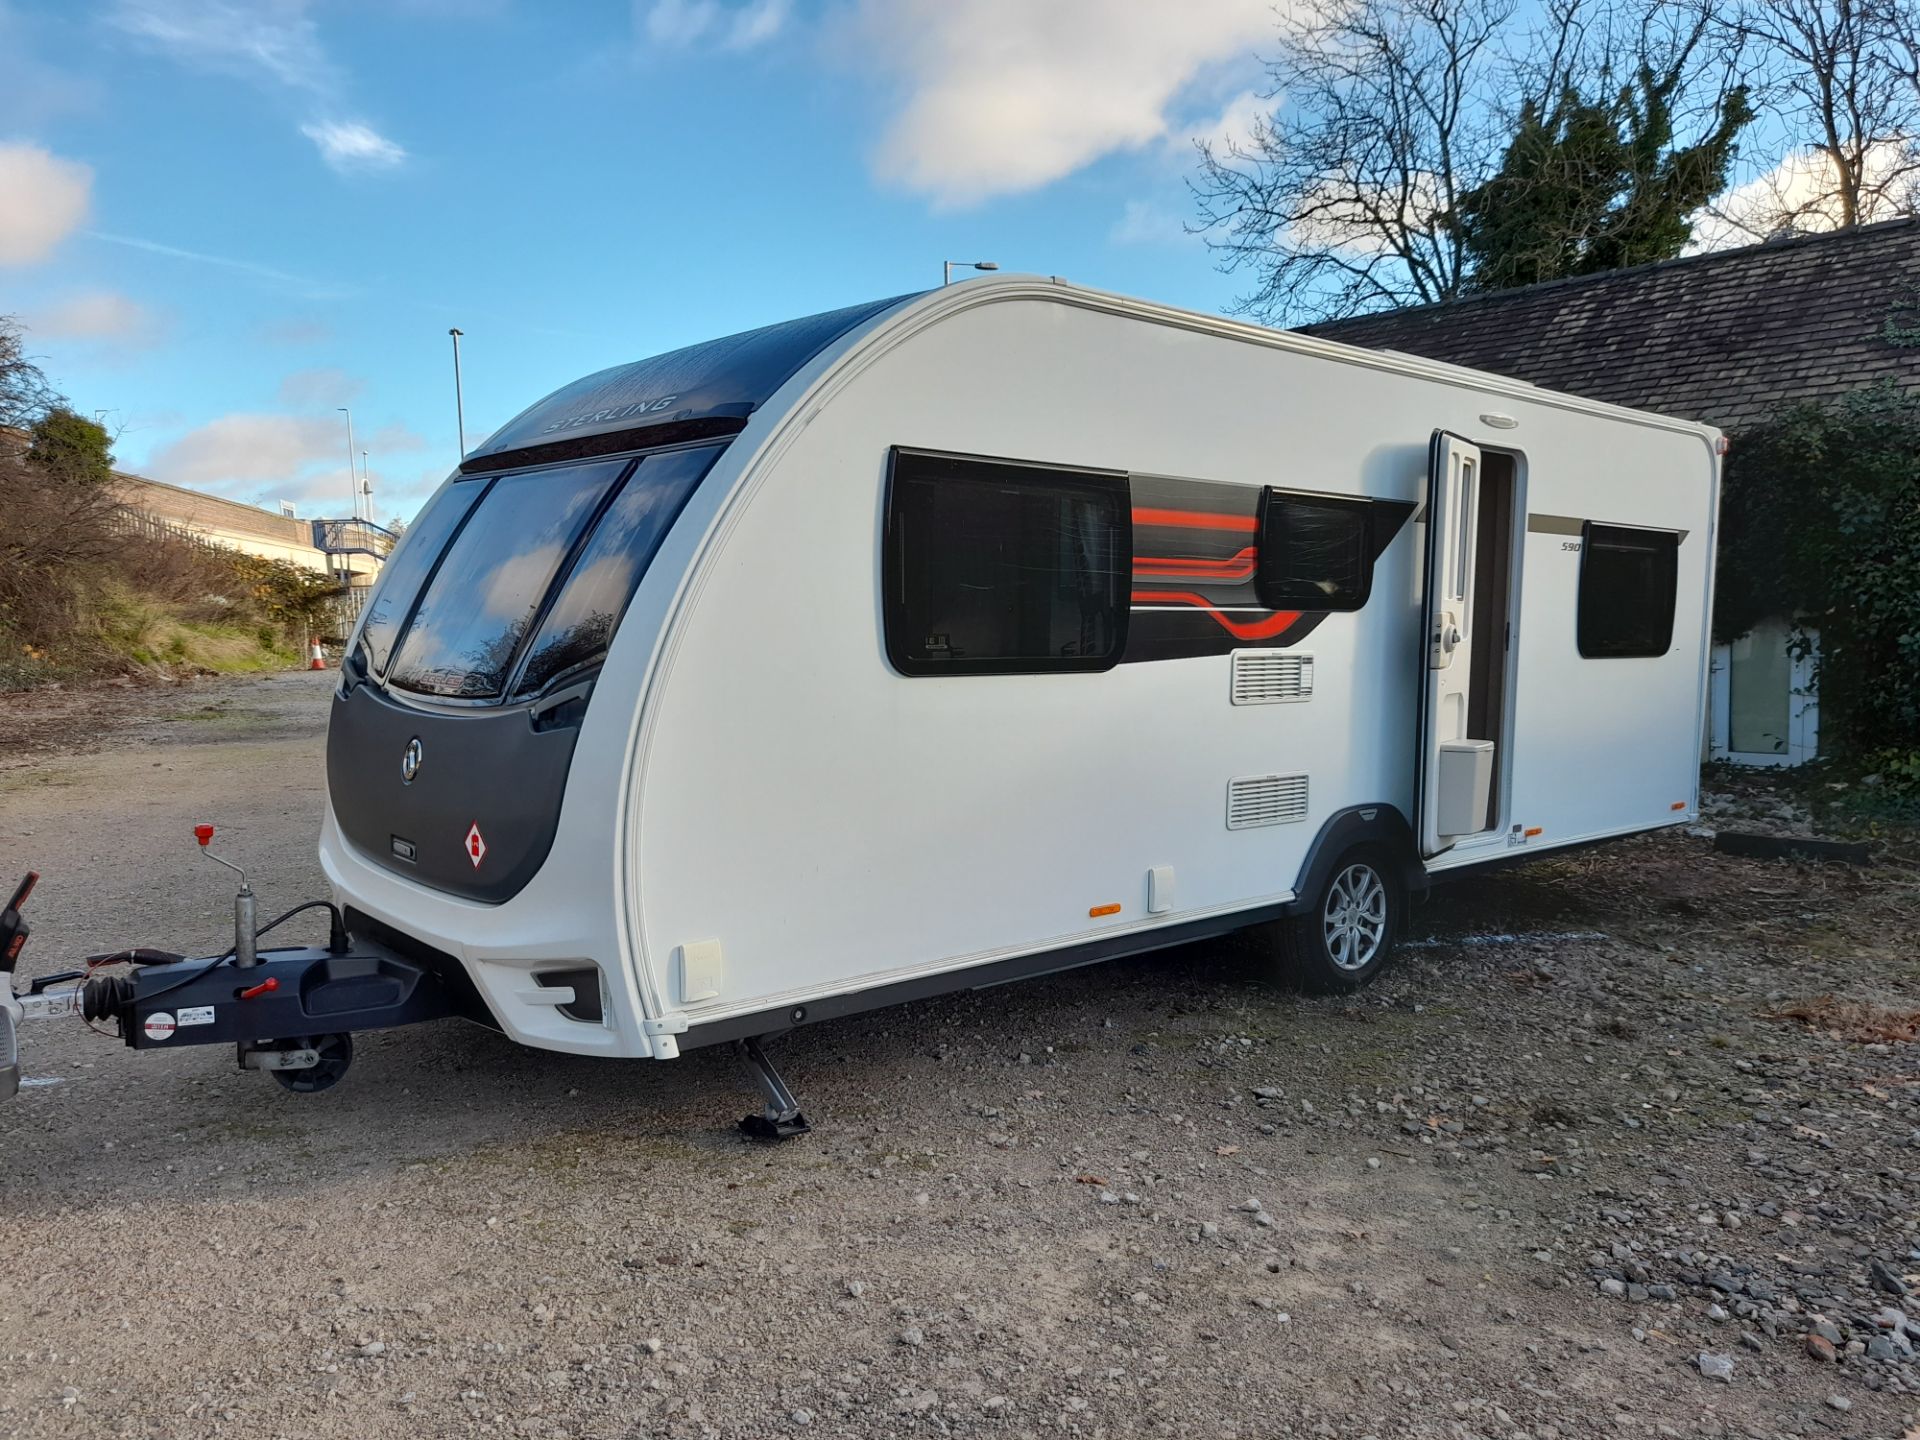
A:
(1454, 774)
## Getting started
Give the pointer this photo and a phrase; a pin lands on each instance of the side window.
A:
(1000, 568)
(581, 621)
(1628, 582)
(1316, 552)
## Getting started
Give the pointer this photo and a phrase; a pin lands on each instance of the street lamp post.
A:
(353, 490)
(366, 486)
(459, 405)
(948, 267)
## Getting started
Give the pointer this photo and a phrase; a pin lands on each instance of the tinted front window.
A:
(402, 576)
(594, 596)
(481, 602)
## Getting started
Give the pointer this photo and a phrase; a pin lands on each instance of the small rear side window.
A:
(1628, 583)
(477, 609)
(1316, 552)
(581, 621)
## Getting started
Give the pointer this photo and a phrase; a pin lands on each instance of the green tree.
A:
(71, 447)
(1588, 185)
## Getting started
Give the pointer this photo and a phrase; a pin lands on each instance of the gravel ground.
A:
(1562, 1173)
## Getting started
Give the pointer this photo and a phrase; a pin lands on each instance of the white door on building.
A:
(1765, 707)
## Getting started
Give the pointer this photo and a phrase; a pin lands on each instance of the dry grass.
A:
(1853, 1020)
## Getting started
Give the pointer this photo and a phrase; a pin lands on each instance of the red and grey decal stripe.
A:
(1195, 556)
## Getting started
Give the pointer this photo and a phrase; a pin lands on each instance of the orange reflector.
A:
(1097, 911)
(1533, 830)
(1678, 805)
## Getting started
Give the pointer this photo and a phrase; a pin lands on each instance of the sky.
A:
(220, 220)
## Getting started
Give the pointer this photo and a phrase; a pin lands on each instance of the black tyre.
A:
(336, 1054)
(1344, 939)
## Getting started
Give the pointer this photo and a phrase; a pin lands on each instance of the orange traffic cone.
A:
(318, 660)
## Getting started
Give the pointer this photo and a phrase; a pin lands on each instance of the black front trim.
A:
(468, 1003)
(498, 769)
(592, 447)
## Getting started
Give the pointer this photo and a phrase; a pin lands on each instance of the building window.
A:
(995, 567)
(1628, 582)
(1316, 552)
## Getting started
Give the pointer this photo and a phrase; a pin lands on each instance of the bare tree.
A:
(1337, 201)
(25, 394)
(1845, 75)
(1388, 114)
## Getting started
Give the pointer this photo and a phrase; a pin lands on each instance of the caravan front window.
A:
(482, 600)
(403, 575)
(594, 596)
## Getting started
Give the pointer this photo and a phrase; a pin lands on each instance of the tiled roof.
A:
(1728, 338)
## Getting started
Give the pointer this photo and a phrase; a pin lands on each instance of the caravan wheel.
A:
(1346, 938)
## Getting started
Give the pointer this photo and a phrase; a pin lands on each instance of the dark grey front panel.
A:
(479, 815)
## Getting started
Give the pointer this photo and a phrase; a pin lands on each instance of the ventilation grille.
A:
(1265, 800)
(1268, 677)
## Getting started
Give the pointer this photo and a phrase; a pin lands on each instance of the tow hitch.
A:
(290, 1012)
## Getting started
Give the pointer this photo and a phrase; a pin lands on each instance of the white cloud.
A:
(349, 146)
(320, 387)
(1797, 196)
(273, 43)
(758, 23)
(97, 316)
(240, 453)
(265, 458)
(42, 200)
(1145, 223)
(1001, 96)
(274, 40)
(1235, 124)
(676, 24)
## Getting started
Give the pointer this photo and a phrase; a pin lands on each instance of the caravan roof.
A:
(711, 388)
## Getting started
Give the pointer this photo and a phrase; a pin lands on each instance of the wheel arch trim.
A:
(1379, 824)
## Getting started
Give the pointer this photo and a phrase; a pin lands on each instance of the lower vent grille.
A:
(1265, 800)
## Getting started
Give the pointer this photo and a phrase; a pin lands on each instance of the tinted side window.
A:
(594, 596)
(998, 568)
(1316, 552)
(403, 575)
(481, 601)
(1628, 583)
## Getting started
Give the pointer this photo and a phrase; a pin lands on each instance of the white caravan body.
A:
(823, 764)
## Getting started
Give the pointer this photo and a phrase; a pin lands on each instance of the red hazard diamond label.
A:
(476, 846)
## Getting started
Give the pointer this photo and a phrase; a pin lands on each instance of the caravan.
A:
(986, 632)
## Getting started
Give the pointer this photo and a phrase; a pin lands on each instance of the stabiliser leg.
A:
(781, 1119)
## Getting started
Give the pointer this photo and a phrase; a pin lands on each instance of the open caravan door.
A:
(1454, 774)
